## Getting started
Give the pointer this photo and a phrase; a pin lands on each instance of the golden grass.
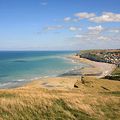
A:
(90, 101)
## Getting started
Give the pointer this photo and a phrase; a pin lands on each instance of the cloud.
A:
(60, 27)
(57, 27)
(114, 30)
(106, 17)
(92, 17)
(78, 36)
(96, 28)
(99, 33)
(102, 38)
(91, 38)
(83, 15)
(73, 28)
(67, 19)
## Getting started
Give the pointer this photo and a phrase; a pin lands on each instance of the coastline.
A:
(97, 69)
(67, 80)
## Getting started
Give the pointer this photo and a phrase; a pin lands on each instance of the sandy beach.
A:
(95, 69)
(98, 69)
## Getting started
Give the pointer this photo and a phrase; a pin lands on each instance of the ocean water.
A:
(18, 67)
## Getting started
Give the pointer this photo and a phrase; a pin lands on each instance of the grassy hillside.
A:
(115, 75)
(116, 71)
(95, 100)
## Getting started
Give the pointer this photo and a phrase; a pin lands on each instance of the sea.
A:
(20, 67)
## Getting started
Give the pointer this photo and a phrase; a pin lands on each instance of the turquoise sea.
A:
(19, 67)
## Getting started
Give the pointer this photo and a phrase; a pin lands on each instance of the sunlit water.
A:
(17, 68)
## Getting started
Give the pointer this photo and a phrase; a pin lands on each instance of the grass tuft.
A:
(7, 95)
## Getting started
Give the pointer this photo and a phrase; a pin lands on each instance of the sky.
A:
(59, 24)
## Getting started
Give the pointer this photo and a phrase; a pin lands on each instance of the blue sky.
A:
(59, 24)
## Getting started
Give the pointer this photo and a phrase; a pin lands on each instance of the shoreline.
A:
(22, 82)
(97, 69)
(67, 80)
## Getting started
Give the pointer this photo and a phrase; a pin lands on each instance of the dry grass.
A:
(89, 102)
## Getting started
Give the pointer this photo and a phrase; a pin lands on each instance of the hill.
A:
(95, 100)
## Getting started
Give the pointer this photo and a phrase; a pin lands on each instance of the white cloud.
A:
(106, 17)
(83, 15)
(114, 30)
(73, 28)
(92, 37)
(67, 19)
(78, 36)
(96, 28)
(54, 27)
(102, 38)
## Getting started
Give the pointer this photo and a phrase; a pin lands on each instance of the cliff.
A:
(109, 56)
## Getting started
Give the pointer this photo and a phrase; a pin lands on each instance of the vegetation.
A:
(114, 93)
(93, 57)
(110, 110)
(115, 75)
(116, 71)
(88, 102)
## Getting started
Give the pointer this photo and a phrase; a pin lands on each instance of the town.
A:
(109, 56)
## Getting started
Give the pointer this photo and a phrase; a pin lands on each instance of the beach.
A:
(20, 67)
(98, 69)
(67, 81)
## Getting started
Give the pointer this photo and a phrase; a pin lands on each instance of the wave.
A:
(20, 80)
(20, 61)
(1, 76)
(4, 84)
(27, 59)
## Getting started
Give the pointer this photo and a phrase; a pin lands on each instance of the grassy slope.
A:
(115, 75)
(116, 71)
(92, 101)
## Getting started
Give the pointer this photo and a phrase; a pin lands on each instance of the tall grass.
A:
(76, 104)
(33, 107)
